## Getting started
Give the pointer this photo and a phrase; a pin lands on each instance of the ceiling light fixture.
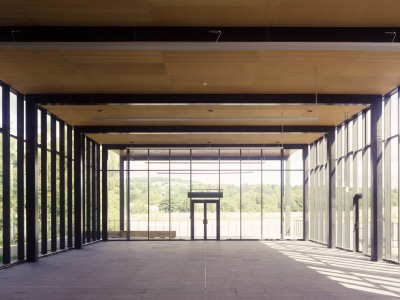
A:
(195, 46)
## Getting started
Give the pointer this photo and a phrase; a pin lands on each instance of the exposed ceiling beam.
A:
(197, 34)
(201, 99)
(202, 129)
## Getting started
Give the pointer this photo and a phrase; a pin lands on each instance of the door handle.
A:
(205, 222)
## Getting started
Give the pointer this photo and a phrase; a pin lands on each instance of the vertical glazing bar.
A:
(218, 221)
(128, 194)
(365, 196)
(169, 193)
(240, 193)
(288, 208)
(104, 198)
(43, 177)
(83, 180)
(69, 184)
(219, 199)
(53, 143)
(312, 194)
(262, 200)
(78, 213)
(6, 176)
(387, 182)
(121, 194)
(376, 164)
(339, 191)
(332, 189)
(148, 194)
(20, 176)
(62, 184)
(205, 221)
(347, 189)
(32, 226)
(88, 193)
(94, 202)
(282, 194)
(306, 194)
(98, 226)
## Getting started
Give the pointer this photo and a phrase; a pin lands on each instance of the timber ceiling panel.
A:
(205, 138)
(83, 115)
(177, 72)
(340, 13)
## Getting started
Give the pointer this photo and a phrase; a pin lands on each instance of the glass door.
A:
(205, 220)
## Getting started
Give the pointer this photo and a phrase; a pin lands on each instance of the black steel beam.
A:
(20, 176)
(104, 194)
(6, 176)
(202, 146)
(62, 184)
(78, 215)
(331, 151)
(98, 197)
(69, 185)
(43, 178)
(53, 143)
(206, 129)
(281, 99)
(194, 34)
(376, 197)
(32, 225)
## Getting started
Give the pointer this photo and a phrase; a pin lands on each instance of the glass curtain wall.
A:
(158, 180)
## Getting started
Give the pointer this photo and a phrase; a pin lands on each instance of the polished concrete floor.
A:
(202, 270)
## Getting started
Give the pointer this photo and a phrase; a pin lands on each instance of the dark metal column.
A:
(104, 194)
(62, 184)
(94, 202)
(332, 189)
(53, 143)
(205, 220)
(98, 228)
(20, 176)
(282, 195)
(306, 194)
(218, 221)
(32, 226)
(83, 180)
(69, 184)
(121, 194)
(128, 194)
(43, 178)
(6, 175)
(78, 189)
(88, 193)
(376, 165)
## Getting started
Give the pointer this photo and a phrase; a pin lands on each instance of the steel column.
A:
(332, 189)
(376, 201)
(78, 189)
(53, 174)
(43, 178)
(94, 202)
(128, 194)
(104, 205)
(6, 176)
(32, 226)
(282, 194)
(121, 194)
(83, 186)
(88, 193)
(98, 228)
(62, 184)
(69, 185)
(306, 194)
(20, 176)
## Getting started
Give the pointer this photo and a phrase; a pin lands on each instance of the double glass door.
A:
(205, 220)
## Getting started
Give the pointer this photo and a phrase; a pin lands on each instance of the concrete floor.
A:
(202, 270)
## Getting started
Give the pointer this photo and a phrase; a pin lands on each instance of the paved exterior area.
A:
(202, 270)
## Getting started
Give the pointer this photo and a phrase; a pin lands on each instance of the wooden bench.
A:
(142, 234)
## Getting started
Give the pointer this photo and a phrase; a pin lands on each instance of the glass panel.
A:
(139, 200)
(230, 203)
(113, 194)
(394, 197)
(159, 204)
(211, 220)
(180, 186)
(198, 220)
(13, 114)
(1, 113)
(394, 118)
(13, 198)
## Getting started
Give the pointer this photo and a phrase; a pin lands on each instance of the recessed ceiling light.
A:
(211, 110)
(99, 110)
(204, 83)
(309, 110)
(132, 142)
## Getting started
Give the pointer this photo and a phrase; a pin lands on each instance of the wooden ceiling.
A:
(205, 115)
(185, 72)
(321, 13)
(247, 72)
